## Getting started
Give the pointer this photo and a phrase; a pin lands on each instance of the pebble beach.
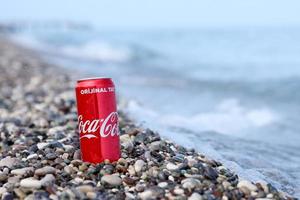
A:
(40, 156)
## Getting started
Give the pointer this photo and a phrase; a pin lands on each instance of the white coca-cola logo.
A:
(106, 127)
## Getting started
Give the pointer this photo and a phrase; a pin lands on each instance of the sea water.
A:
(230, 93)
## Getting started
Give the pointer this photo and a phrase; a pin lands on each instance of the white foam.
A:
(228, 117)
(98, 51)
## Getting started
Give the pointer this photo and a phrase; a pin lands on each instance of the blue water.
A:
(229, 93)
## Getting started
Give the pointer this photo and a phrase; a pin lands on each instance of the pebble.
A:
(91, 195)
(247, 184)
(51, 156)
(7, 196)
(3, 176)
(45, 170)
(68, 169)
(113, 180)
(179, 191)
(190, 183)
(19, 193)
(163, 184)
(195, 196)
(77, 155)
(2, 190)
(129, 181)
(8, 162)
(32, 156)
(22, 171)
(131, 170)
(172, 167)
(85, 188)
(155, 146)
(139, 165)
(42, 145)
(210, 173)
(48, 179)
(153, 192)
(30, 183)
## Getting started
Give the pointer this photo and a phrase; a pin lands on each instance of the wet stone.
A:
(178, 158)
(210, 173)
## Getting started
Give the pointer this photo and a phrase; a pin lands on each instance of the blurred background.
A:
(222, 77)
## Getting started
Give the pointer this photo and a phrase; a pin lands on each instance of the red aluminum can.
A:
(97, 120)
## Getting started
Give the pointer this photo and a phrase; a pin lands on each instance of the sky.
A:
(156, 13)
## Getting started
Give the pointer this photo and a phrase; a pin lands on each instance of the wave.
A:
(228, 117)
(99, 52)
(92, 51)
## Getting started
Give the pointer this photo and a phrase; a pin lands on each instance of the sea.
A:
(231, 93)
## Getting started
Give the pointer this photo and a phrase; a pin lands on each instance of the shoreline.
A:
(40, 155)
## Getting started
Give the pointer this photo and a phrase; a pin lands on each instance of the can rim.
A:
(92, 78)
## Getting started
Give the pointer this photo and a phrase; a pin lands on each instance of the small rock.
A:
(50, 156)
(2, 190)
(85, 188)
(131, 170)
(3, 176)
(138, 165)
(42, 145)
(129, 181)
(195, 196)
(8, 162)
(7, 196)
(210, 173)
(68, 169)
(45, 170)
(154, 192)
(22, 171)
(172, 167)
(190, 183)
(155, 146)
(179, 191)
(247, 184)
(162, 184)
(146, 195)
(47, 180)
(30, 183)
(91, 195)
(77, 155)
(19, 193)
(113, 180)
(32, 156)
(13, 180)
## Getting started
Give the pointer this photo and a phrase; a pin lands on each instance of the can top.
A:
(94, 80)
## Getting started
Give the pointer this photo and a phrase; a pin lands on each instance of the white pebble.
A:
(247, 184)
(30, 183)
(171, 167)
(138, 165)
(22, 171)
(195, 196)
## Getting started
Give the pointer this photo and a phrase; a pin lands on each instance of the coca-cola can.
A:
(97, 120)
